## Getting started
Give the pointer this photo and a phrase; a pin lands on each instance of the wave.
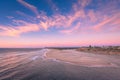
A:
(12, 62)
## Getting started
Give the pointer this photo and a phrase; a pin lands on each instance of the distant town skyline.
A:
(59, 23)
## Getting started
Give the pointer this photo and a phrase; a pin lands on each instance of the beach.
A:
(55, 64)
(80, 58)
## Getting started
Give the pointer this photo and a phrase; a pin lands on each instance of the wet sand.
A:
(80, 58)
(49, 64)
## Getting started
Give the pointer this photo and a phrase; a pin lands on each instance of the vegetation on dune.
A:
(101, 50)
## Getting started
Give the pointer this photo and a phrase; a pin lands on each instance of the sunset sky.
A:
(59, 23)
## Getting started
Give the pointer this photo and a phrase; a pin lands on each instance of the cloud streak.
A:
(29, 6)
(114, 20)
(16, 31)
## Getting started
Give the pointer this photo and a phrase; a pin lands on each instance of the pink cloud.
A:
(16, 31)
(29, 6)
(71, 30)
(84, 3)
(116, 21)
(56, 20)
(108, 20)
(72, 22)
(92, 16)
(30, 18)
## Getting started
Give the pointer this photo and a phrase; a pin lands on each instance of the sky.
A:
(59, 23)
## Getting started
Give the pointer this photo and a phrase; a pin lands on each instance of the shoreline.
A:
(78, 58)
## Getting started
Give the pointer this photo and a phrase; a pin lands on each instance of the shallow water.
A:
(33, 65)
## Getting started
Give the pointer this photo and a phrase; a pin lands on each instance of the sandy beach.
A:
(80, 58)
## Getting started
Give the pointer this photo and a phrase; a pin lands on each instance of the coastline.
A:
(50, 64)
(78, 58)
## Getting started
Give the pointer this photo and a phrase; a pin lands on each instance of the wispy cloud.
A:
(29, 6)
(26, 16)
(114, 20)
(76, 20)
(53, 6)
(10, 17)
(92, 16)
(16, 31)
(83, 3)
(75, 29)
